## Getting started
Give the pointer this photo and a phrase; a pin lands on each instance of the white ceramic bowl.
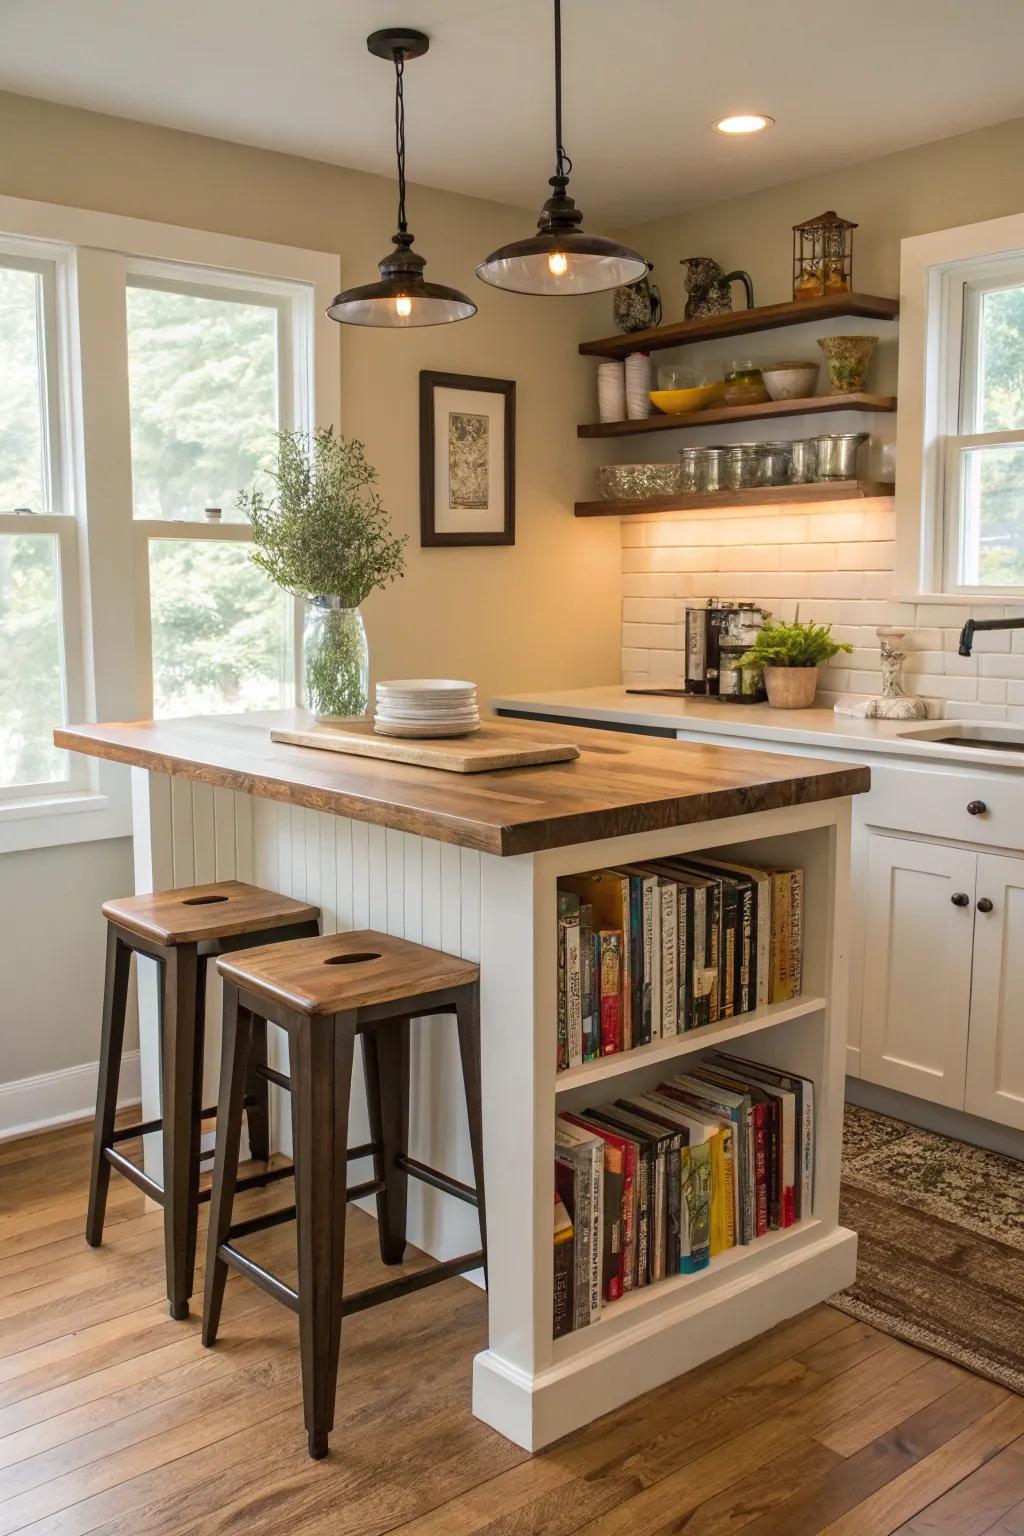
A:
(791, 381)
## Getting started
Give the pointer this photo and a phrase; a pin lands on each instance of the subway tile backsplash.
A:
(838, 567)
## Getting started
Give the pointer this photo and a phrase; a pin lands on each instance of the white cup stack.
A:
(638, 386)
(426, 706)
(611, 392)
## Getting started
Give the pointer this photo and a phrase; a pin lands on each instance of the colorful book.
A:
(564, 1300)
(610, 990)
(583, 1153)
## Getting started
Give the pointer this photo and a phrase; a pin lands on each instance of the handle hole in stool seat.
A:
(202, 901)
(356, 959)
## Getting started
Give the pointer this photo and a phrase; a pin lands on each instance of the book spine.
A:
(774, 1170)
(764, 929)
(565, 1260)
(674, 1185)
(747, 958)
(781, 928)
(574, 991)
(807, 1152)
(713, 948)
(582, 1226)
(684, 959)
(630, 1195)
(591, 1039)
(647, 900)
(611, 992)
(729, 1173)
(643, 1224)
(562, 1045)
(653, 889)
(626, 1024)
(596, 1170)
(695, 1208)
(760, 1170)
(669, 957)
(641, 1001)
(796, 931)
(730, 951)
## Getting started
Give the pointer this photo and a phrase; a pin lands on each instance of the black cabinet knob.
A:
(960, 899)
(976, 807)
(984, 905)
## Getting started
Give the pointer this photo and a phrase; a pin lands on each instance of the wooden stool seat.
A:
(200, 913)
(339, 972)
(326, 993)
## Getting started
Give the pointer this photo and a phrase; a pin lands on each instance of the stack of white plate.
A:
(611, 392)
(638, 385)
(426, 706)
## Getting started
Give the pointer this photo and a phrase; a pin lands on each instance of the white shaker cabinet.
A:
(995, 1054)
(918, 940)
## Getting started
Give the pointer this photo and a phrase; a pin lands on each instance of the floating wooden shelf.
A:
(716, 415)
(743, 322)
(763, 495)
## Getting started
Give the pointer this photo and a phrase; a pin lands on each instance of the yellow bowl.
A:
(677, 402)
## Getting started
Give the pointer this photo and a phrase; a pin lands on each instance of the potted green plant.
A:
(325, 537)
(789, 656)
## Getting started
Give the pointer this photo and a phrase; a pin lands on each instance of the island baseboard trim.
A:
(534, 1412)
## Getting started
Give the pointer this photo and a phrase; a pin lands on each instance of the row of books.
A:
(661, 1182)
(651, 950)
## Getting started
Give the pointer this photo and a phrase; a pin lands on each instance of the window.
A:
(210, 382)
(144, 372)
(38, 555)
(983, 459)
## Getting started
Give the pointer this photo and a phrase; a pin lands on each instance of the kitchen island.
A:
(470, 864)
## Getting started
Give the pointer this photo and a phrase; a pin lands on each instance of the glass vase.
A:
(336, 660)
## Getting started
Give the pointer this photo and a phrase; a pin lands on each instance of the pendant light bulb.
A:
(403, 297)
(561, 258)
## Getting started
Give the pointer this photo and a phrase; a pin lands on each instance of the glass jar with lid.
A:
(744, 384)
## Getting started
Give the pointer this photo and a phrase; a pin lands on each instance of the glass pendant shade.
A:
(402, 297)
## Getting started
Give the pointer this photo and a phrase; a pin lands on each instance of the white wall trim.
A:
(54, 1098)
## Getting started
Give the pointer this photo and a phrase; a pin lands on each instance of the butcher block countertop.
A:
(619, 784)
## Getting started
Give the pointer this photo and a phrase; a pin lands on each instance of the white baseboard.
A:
(53, 1098)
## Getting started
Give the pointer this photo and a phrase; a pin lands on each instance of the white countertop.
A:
(759, 722)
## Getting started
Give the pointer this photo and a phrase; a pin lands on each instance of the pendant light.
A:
(403, 297)
(561, 259)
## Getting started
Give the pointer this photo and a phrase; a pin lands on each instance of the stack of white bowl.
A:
(426, 706)
(611, 392)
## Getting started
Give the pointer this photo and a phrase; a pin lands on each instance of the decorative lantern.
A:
(822, 256)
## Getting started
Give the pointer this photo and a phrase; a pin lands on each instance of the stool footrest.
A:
(134, 1175)
(273, 1076)
(260, 1223)
(440, 1181)
(261, 1277)
(374, 1295)
(269, 1176)
(148, 1127)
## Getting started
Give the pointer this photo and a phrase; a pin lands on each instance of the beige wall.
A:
(541, 613)
(954, 181)
(835, 560)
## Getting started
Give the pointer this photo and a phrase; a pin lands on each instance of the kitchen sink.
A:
(982, 735)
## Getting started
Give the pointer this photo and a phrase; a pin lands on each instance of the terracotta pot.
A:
(791, 687)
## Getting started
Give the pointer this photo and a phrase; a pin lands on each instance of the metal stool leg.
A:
(257, 1093)
(236, 1049)
(115, 999)
(181, 1047)
(322, 1052)
(467, 1009)
(386, 1068)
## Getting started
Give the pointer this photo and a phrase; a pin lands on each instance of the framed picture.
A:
(467, 459)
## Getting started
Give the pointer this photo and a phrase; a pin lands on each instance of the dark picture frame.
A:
(473, 472)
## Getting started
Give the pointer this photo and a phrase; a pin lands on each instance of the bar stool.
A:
(324, 992)
(180, 930)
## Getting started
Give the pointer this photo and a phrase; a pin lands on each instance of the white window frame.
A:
(57, 520)
(943, 278)
(94, 253)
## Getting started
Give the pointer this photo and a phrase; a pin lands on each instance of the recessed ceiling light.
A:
(743, 122)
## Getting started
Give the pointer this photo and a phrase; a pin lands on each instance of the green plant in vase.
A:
(789, 655)
(324, 536)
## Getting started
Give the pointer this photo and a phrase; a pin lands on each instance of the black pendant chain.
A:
(400, 136)
(563, 164)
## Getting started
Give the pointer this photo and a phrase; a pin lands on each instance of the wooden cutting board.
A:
(485, 751)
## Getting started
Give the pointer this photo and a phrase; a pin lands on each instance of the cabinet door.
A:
(995, 1052)
(917, 967)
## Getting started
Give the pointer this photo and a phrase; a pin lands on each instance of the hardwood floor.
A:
(113, 1418)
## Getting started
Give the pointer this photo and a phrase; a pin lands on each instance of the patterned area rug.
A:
(941, 1243)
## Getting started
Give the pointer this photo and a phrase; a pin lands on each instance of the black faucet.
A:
(967, 633)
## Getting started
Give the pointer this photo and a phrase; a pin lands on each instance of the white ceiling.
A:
(643, 81)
